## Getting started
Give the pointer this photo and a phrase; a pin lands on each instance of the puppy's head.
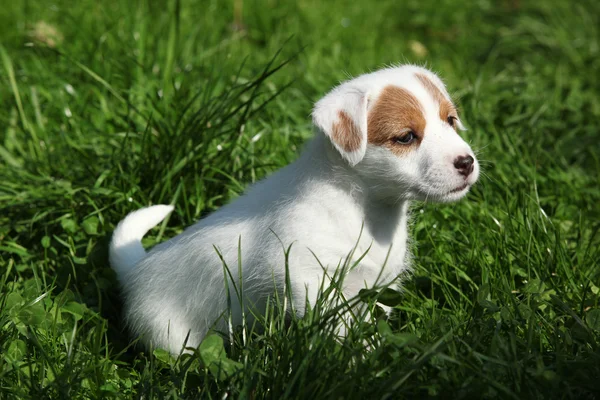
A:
(399, 129)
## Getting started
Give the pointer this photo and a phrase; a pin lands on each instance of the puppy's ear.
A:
(342, 116)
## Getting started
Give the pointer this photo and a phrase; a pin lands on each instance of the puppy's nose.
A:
(464, 165)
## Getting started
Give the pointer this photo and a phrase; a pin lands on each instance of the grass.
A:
(110, 106)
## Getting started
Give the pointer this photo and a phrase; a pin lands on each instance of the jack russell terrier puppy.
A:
(382, 140)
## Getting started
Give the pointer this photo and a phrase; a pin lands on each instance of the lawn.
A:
(106, 107)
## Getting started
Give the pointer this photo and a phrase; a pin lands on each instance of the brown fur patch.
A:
(446, 107)
(396, 110)
(345, 133)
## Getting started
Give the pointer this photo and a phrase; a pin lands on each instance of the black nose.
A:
(464, 165)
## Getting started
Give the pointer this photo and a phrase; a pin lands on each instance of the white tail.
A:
(126, 245)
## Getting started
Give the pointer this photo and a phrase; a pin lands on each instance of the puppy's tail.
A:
(126, 245)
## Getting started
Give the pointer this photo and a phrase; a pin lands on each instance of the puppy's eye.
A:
(406, 139)
(451, 120)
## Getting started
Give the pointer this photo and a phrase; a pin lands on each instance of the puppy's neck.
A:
(383, 219)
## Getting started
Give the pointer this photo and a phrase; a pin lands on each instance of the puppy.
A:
(382, 140)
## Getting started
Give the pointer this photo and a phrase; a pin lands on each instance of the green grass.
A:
(109, 106)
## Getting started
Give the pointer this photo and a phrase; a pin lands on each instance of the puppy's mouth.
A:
(460, 188)
(444, 195)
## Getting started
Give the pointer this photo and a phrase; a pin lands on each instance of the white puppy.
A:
(383, 139)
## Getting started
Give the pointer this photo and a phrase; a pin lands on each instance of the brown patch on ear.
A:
(395, 112)
(345, 133)
(446, 107)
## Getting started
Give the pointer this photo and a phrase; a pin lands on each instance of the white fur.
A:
(320, 204)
